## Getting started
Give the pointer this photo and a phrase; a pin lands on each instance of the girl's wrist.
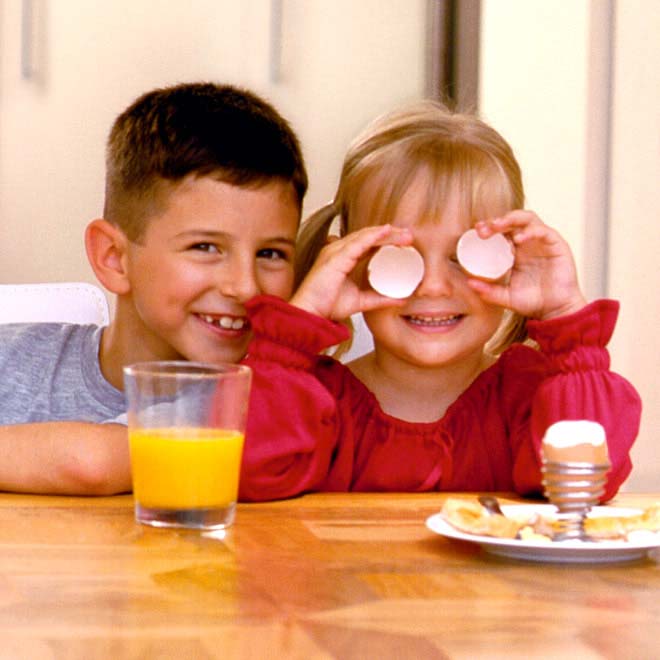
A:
(569, 307)
(307, 304)
(304, 306)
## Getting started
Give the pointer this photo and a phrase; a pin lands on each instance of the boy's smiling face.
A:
(212, 247)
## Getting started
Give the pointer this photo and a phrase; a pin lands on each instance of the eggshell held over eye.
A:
(396, 271)
(488, 258)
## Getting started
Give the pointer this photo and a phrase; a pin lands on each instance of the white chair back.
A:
(66, 302)
(363, 342)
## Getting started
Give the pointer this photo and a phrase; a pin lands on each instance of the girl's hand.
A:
(328, 289)
(543, 281)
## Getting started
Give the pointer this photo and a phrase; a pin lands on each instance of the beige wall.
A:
(533, 90)
(635, 217)
(546, 86)
(342, 62)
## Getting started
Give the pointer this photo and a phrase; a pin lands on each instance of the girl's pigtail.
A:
(311, 239)
(512, 330)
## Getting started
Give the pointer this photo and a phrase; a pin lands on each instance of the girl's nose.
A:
(238, 280)
(437, 280)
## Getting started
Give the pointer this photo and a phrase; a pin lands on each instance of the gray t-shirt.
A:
(51, 372)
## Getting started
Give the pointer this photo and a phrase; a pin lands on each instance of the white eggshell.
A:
(488, 258)
(396, 271)
(567, 433)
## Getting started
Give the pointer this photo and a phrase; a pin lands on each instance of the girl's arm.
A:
(577, 384)
(543, 286)
(292, 435)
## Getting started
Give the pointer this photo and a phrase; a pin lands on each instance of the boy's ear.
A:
(106, 247)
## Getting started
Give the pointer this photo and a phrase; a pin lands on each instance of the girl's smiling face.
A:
(444, 321)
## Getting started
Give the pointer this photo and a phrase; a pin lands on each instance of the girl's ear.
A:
(106, 247)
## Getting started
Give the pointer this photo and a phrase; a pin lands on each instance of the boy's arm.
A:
(65, 458)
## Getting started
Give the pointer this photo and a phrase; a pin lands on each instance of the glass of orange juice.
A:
(186, 425)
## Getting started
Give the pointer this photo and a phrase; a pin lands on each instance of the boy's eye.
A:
(272, 254)
(204, 247)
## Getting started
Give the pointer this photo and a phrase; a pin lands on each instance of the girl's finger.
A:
(371, 300)
(533, 232)
(352, 248)
(511, 221)
(495, 294)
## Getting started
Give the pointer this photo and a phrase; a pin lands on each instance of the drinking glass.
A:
(186, 427)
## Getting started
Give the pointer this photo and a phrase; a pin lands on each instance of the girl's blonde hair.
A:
(459, 151)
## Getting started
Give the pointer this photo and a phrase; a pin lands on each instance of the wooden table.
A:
(322, 576)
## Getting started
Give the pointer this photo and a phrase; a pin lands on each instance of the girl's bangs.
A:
(482, 185)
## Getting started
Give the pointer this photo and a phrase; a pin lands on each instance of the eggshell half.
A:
(488, 258)
(396, 271)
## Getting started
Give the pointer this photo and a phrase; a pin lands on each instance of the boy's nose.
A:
(239, 280)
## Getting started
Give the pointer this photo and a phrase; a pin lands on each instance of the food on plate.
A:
(396, 271)
(575, 441)
(529, 534)
(469, 516)
(616, 527)
(488, 258)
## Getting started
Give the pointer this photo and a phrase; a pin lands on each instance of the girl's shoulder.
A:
(357, 405)
(343, 384)
(510, 377)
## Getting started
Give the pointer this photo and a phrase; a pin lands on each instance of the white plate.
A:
(557, 551)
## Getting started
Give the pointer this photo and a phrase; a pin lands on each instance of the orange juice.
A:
(185, 468)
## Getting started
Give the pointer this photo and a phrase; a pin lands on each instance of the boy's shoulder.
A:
(45, 330)
(51, 372)
(48, 340)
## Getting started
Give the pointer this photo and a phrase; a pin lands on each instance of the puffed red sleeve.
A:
(580, 385)
(291, 433)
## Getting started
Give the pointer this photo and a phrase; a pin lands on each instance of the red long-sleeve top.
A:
(313, 426)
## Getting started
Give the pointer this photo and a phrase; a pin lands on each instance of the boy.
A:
(204, 190)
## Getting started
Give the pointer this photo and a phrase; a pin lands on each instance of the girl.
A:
(450, 398)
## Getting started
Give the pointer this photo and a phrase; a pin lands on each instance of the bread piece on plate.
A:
(618, 527)
(471, 517)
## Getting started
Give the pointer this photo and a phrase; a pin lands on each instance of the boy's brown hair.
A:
(198, 129)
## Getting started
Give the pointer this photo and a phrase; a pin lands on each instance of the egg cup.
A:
(574, 488)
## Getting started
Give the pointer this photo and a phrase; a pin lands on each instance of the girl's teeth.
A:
(430, 320)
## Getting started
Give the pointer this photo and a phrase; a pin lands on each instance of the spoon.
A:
(491, 504)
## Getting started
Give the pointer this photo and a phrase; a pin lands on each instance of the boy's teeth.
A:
(226, 322)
